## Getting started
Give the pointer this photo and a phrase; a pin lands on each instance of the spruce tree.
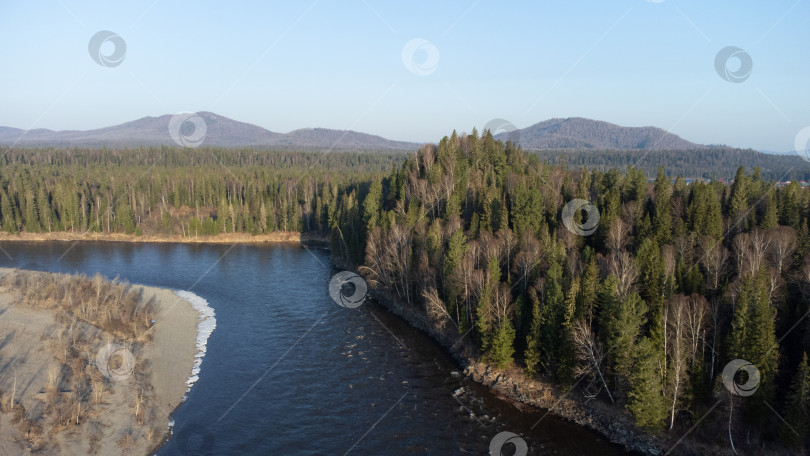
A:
(797, 411)
(662, 220)
(483, 322)
(371, 205)
(551, 318)
(646, 400)
(532, 355)
(502, 348)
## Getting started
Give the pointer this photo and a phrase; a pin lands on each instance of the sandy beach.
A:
(57, 396)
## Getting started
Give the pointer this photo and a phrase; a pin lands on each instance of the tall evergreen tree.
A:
(646, 400)
(797, 411)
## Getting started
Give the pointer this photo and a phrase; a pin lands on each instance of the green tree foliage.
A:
(455, 229)
(646, 401)
(797, 411)
(502, 346)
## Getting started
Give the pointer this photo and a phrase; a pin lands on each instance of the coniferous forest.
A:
(643, 313)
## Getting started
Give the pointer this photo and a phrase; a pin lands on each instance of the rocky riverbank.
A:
(611, 422)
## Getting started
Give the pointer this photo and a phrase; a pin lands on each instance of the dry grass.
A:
(89, 313)
(109, 305)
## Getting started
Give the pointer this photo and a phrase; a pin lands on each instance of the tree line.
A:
(645, 313)
(675, 282)
(707, 163)
(174, 191)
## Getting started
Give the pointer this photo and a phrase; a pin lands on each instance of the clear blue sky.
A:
(338, 64)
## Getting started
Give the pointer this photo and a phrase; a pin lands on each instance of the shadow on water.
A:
(288, 371)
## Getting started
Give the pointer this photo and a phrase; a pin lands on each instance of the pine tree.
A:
(651, 279)
(662, 221)
(453, 281)
(7, 212)
(645, 399)
(502, 348)
(552, 315)
(31, 213)
(371, 205)
(532, 355)
(738, 204)
(753, 337)
(622, 320)
(589, 288)
(567, 350)
(797, 411)
(770, 218)
(483, 322)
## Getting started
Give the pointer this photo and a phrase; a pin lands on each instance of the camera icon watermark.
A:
(101, 54)
(591, 222)
(195, 439)
(733, 381)
(802, 143)
(501, 439)
(724, 58)
(115, 362)
(348, 289)
(188, 129)
(498, 126)
(420, 56)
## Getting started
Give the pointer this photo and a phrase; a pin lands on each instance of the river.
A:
(289, 372)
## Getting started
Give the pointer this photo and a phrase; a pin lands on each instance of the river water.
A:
(289, 372)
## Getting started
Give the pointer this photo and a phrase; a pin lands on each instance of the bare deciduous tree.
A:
(590, 354)
(782, 245)
(714, 258)
(618, 236)
(677, 350)
(621, 265)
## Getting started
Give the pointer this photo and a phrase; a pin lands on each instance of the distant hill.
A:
(221, 132)
(578, 133)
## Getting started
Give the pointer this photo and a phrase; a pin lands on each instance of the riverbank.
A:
(74, 384)
(275, 237)
(513, 384)
(614, 423)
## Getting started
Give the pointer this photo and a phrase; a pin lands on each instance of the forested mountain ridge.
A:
(580, 133)
(674, 283)
(646, 312)
(715, 163)
(221, 132)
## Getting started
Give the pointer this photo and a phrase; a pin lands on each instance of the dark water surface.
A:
(290, 372)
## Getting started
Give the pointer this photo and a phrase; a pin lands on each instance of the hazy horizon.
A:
(357, 67)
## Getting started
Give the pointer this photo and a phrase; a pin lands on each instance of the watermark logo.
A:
(802, 143)
(591, 222)
(498, 126)
(99, 48)
(497, 443)
(195, 439)
(115, 362)
(188, 129)
(724, 66)
(420, 56)
(735, 382)
(348, 289)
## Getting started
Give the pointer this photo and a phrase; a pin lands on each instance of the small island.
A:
(91, 366)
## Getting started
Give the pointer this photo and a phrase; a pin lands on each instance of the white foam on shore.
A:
(204, 329)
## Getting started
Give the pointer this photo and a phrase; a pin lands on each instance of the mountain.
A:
(220, 131)
(574, 133)
(579, 133)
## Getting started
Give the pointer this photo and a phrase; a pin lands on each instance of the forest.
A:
(643, 313)
(707, 163)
